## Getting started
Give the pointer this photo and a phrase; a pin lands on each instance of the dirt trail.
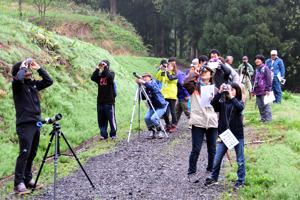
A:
(142, 169)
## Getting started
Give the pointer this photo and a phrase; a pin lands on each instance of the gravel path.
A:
(142, 169)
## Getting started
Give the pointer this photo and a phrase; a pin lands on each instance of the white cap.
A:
(274, 52)
(195, 62)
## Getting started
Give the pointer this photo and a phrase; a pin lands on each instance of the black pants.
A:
(106, 114)
(29, 136)
(171, 108)
(197, 140)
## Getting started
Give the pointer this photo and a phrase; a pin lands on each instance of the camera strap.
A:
(228, 118)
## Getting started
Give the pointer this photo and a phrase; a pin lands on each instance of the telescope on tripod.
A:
(57, 133)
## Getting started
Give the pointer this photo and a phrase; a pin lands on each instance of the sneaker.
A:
(102, 138)
(113, 137)
(21, 189)
(30, 185)
(193, 178)
(238, 185)
(210, 181)
(151, 135)
(160, 135)
(173, 128)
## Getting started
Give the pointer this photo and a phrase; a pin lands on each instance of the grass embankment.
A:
(273, 168)
(70, 63)
(65, 18)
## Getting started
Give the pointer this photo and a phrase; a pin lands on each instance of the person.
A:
(152, 117)
(276, 65)
(222, 71)
(204, 119)
(234, 76)
(230, 112)
(182, 97)
(104, 78)
(169, 90)
(28, 113)
(163, 65)
(245, 70)
(262, 87)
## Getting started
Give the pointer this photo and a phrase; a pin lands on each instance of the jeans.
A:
(240, 159)
(211, 135)
(276, 87)
(264, 110)
(106, 113)
(152, 119)
(182, 106)
(170, 108)
(29, 137)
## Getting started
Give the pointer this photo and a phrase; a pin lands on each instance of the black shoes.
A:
(210, 182)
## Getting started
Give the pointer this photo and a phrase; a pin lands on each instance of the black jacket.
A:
(221, 75)
(105, 82)
(25, 94)
(229, 109)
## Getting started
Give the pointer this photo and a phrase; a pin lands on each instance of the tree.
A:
(42, 6)
(113, 7)
(20, 9)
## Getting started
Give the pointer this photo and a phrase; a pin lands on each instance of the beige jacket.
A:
(202, 117)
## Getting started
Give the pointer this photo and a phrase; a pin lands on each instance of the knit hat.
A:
(274, 52)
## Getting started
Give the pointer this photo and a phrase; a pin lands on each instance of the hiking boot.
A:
(238, 185)
(21, 189)
(30, 185)
(210, 181)
(193, 178)
(173, 128)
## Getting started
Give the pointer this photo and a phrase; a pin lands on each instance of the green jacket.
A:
(249, 70)
(169, 84)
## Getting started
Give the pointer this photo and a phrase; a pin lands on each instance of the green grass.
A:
(117, 36)
(273, 168)
(73, 93)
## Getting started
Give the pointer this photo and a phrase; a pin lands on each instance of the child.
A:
(230, 117)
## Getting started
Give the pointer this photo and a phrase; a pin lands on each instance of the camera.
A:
(226, 88)
(28, 62)
(53, 119)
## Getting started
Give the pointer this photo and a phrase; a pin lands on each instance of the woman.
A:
(168, 78)
(203, 119)
(230, 117)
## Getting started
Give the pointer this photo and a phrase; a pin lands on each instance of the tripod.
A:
(139, 91)
(56, 133)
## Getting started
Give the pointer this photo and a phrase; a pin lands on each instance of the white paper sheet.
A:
(207, 94)
(269, 98)
(229, 139)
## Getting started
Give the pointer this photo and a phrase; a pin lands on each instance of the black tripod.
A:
(56, 133)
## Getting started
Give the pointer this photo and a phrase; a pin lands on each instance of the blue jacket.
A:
(157, 99)
(182, 92)
(277, 66)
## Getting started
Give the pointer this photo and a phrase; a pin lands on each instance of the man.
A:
(222, 72)
(234, 76)
(262, 87)
(28, 113)
(104, 78)
(278, 70)
(246, 71)
(152, 117)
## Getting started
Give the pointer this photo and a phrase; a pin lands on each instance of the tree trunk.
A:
(20, 9)
(162, 42)
(113, 7)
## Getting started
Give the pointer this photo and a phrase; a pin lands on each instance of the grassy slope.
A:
(73, 94)
(117, 37)
(273, 169)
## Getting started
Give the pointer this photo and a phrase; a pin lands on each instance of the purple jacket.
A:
(182, 92)
(263, 80)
